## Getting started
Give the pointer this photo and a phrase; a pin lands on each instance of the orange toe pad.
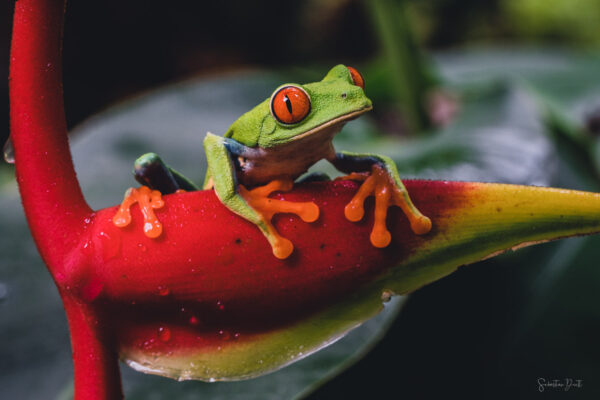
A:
(266, 207)
(387, 194)
(147, 200)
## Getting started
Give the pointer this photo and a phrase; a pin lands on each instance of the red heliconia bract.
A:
(207, 299)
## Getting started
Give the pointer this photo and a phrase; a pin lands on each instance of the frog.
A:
(268, 148)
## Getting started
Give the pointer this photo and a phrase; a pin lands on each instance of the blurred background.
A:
(486, 90)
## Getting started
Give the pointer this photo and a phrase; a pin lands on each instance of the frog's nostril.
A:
(344, 95)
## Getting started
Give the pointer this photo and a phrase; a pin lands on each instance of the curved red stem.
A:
(95, 358)
(53, 202)
(52, 199)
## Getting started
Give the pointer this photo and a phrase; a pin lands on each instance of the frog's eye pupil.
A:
(357, 78)
(290, 104)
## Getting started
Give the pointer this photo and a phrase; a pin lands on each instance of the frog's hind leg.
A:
(150, 170)
(380, 178)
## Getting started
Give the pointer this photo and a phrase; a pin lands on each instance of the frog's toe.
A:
(387, 194)
(282, 247)
(309, 212)
(283, 185)
(354, 210)
(380, 237)
(266, 207)
(420, 225)
(148, 200)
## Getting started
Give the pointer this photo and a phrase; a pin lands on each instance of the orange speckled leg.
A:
(386, 193)
(148, 200)
(266, 207)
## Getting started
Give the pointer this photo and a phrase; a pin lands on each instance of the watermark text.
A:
(563, 385)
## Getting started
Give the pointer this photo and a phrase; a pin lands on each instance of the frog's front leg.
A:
(150, 170)
(380, 178)
(157, 179)
(254, 204)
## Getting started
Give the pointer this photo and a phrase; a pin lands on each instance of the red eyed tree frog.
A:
(267, 148)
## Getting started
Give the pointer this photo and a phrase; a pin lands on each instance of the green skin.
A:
(258, 149)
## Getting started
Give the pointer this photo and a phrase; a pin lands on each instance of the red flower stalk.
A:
(207, 299)
(52, 199)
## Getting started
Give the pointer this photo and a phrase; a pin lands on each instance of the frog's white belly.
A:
(259, 166)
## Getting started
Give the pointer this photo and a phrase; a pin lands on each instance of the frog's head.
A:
(295, 111)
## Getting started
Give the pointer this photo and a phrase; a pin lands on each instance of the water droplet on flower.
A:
(164, 334)
(194, 320)
(163, 291)
(224, 335)
(236, 335)
(87, 247)
(220, 305)
(142, 247)
(9, 152)
(111, 247)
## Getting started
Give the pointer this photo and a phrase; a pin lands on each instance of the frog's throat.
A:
(339, 120)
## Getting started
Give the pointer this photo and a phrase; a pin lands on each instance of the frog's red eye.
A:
(290, 104)
(357, 77)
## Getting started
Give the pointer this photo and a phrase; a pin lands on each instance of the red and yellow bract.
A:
(207, 299)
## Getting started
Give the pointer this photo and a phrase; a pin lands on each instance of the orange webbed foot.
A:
(258, 198)
(148, 200)
(387, 193)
